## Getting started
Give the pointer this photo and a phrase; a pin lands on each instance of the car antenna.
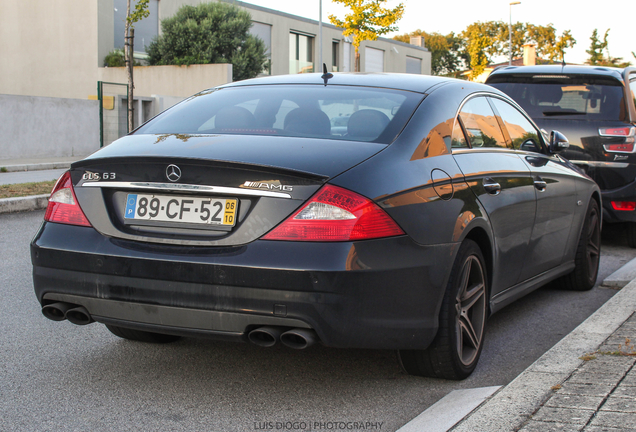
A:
(562, 59)
(325, 75)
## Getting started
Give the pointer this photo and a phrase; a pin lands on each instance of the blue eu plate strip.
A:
(131, 206)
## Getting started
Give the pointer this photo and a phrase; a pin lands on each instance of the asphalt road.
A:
(57, 376)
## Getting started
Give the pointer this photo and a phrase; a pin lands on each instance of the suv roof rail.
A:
(629, 98)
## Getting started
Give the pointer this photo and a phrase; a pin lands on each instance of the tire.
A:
(631, 234)
(141, 336)
(457, 346)
(588, 253)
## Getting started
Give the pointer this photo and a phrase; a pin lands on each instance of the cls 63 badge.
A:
(92, 176)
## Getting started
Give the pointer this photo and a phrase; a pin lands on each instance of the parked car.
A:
(595, 108)
(238, 215)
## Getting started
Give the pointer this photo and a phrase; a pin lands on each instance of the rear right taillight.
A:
(336, 214)
(628, 135)
(63, 206)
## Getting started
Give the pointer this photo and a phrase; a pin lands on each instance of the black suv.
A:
(595, 107)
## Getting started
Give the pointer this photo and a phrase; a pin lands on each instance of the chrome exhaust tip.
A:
(265, 336)
(299, 338)
(79, 316)
(56, 311)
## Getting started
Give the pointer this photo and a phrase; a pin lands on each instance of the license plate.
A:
(196, 210)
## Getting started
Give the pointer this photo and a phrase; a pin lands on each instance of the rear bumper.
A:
(625, 193)
(381, 293)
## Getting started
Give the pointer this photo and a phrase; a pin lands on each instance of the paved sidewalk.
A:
(586, 382)
(599, 395)
(35, 164)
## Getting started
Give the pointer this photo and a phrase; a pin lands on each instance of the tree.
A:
(367, 20)
(486, 40)
(141, 11)
(483, 41)
(210, 33)
(596, 52)
(596, 48)
(447, 55)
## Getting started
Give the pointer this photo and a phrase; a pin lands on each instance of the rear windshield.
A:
(568, 98)
(333, 112)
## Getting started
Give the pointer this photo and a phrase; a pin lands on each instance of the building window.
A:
(301, 55)
(413, 65)
(346, 57)
(335, 56)
(264, 33)
(373, 60)
(145, 30)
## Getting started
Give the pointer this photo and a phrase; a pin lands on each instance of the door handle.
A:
(491, 186)
(539, 184)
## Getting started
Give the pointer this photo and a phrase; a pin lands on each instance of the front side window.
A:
(312, 111)
(522, 133)
(481, 124)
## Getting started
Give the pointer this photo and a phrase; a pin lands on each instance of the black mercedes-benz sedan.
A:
(353, 210)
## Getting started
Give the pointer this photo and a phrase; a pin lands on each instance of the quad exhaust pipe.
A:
(299, 338)
(56, 311)
(265, 336)
(268, 336)
(61, 310)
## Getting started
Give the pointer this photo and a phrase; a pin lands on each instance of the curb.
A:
(29, 203)
(36, 167)
(510, 407)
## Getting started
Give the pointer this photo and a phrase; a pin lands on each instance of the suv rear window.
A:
(312, 111)
(575, 98)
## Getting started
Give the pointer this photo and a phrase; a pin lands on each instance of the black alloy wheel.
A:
(457, 346)
(588, 253)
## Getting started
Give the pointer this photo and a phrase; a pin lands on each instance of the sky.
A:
(580, 17)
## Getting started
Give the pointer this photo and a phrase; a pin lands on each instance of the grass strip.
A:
(26, 189)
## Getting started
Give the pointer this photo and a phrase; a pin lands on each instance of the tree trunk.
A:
(128, 57)
(357, 61)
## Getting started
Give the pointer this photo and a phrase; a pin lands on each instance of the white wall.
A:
(49, 48)
(33, 127)
(178, 81)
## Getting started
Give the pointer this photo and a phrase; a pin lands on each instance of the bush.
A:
(209, 33)
(115, 58)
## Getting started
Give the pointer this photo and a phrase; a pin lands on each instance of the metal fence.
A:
(113, 112)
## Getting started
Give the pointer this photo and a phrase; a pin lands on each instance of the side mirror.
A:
(558, 142)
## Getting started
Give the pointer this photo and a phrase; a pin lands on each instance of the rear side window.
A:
(569, 98)
(523, 134)
(312, 111)
(481, 124)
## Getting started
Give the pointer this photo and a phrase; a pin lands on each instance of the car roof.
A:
(558, 69)
(397, 81)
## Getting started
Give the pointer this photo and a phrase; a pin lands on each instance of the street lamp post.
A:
(319, 36)
(510, 32)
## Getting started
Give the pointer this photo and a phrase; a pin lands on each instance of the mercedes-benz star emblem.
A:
(173, 173)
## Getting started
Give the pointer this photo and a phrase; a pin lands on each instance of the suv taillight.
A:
(628, 133)
(63, 206)
(336, 214)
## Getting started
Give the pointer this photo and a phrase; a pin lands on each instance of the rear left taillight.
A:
(628, 133)
(336, 214)
(63, 206)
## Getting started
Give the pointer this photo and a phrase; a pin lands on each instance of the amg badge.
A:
(273, 186)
